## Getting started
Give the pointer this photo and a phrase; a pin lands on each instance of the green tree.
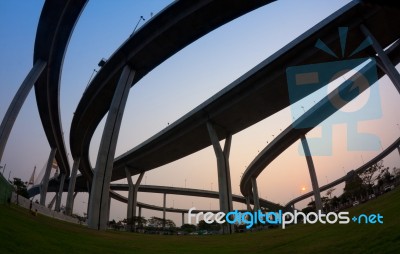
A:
(135, 222)
(20, 187)
(370, 175)
(188, 228)
(209, 227)
(353, 186)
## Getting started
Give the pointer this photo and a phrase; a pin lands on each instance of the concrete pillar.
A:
(129, 212)
(98, 205)
(45, 181)
(398, 149)
(164, 209)
(224, 180)
(136, 189)
(108, 210)
(69, 207)
(60, 192)
(89, 189)
(16, 104)
(256, 198)
(389, 68)
(75, 194)
(313, 175)
(53, 200)
(248, 204)
(132, 195)
(140, 211)
(183, 218)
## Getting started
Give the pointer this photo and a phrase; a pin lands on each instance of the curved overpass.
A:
(256, 95)
(169, 31)
(54, 187)
(350, 174)
(291, 134)
(191, 192)
(56, 23)
(316, 114)
(121, 198)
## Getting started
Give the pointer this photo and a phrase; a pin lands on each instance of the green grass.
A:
(21, 232)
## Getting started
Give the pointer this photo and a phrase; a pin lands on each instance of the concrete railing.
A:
(25, 203)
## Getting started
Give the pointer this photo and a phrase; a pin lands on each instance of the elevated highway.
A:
(253, 97)
(56, 24)
(54, 187)
(178, 25)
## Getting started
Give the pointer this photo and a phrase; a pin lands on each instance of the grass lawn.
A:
(21, 232)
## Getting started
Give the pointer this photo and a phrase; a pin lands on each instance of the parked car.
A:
(356, 203)
(371, 196)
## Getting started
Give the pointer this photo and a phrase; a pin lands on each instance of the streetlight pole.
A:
(140, 19)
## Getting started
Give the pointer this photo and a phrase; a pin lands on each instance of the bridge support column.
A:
(255, 194)
(136, 189)
(129, 213)
(313, 175)
(164, 208)
(53, 200)
(71, 188)
(98, 204)
(108, 210)
(60, 192)
(89, 189)
(183, 218)
(132, 197)
(17, 102)
(140, 211)
(398, 149)
(248, 204)
(389, 68)
(45, 181)
(224, 177)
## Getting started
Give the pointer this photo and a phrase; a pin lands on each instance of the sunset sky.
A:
(172, 89)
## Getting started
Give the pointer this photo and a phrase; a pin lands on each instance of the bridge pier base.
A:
(99, 196)
(71, 187)
(224, 177)
(46, 177)
(313, 175)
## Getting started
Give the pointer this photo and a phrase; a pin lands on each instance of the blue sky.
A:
(176, 86)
